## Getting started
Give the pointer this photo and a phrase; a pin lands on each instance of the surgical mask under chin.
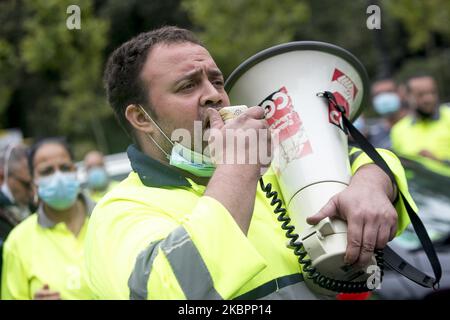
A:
(59, 190)
(184, 158)
(97, 178)
(191, 161)
(386, 103)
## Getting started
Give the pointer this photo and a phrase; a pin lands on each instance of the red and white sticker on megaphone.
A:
(291, 138)
(345, 91)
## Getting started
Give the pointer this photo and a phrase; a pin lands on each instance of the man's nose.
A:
(211, 96)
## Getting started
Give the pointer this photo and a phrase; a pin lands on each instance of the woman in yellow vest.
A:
(44, 256)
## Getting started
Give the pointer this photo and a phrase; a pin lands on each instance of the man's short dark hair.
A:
(123, 83)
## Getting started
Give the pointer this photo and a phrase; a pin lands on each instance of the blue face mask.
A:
(97, 178)
(386, 103)
(59, 190)
(360, 124)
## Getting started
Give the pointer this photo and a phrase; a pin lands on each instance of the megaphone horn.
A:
(310, 90)
(311, 157)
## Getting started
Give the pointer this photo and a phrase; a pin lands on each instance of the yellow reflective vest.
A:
(97, 195)
(412, 135)
(39, 252)
(156, 236)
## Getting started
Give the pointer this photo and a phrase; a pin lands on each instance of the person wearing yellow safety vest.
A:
(43, 256)
(175, 229)
(98, 181)
(387, 102)
(426, 131)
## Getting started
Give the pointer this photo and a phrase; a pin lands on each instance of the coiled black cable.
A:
(321, 280)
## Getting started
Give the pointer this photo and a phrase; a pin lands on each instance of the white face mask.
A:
(183, 157)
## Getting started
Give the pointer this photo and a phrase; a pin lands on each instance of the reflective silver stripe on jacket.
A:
(187, 265)
(355, 155)
(137, 283)
(195, 279)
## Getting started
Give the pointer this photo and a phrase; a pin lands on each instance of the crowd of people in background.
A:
(44, 210)
(44, 213)
(412, 121)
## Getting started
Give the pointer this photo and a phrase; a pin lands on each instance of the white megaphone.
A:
(311, 158)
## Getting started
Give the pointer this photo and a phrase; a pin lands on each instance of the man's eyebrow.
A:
(214, 73)
(195, 73)
(190, 75)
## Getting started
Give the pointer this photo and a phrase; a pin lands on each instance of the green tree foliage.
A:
(60, 68)
(75, 57)
(423, 20)
(414, 35)
(51, 77)
(131, 17)
(9, 62)
(8, 69)
(236, 29)
(428, 39)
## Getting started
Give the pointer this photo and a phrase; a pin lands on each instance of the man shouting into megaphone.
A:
(183, 229)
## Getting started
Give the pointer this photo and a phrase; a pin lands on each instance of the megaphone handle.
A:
(321, 280)
(419, 228)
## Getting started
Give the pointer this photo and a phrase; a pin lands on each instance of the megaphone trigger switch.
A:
(326, 229)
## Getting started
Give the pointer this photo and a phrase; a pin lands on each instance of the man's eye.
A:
(187, 86)
(218, 83)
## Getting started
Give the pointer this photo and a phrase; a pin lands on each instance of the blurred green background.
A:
(51, 77)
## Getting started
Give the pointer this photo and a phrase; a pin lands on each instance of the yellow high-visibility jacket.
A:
(156, 236)
(411, 135)
(38, 252)
(98, 195)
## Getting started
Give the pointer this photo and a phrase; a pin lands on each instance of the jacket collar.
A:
(152, 172)
(45, 222)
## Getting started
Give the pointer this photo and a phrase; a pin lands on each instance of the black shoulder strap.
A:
(391, 258)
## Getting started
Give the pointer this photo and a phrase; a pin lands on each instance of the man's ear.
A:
(138, 119)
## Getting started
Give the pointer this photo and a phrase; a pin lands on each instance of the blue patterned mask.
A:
(97, 178)
(386, 103)
(59, 190)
